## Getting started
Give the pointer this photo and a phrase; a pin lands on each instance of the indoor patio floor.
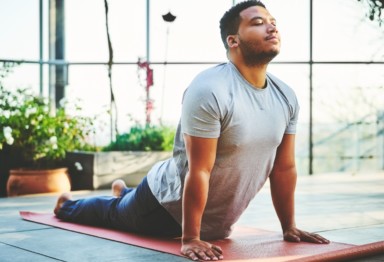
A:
(341, 206)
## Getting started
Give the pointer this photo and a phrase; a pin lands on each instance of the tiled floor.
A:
(342, 207)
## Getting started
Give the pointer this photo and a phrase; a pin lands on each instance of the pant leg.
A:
(140, 211)
(93, 211)
(136, 210)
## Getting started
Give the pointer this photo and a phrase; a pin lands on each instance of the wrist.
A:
(187, 239)
(288, 226)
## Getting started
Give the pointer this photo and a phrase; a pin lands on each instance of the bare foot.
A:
(117, 187)
(60, 201)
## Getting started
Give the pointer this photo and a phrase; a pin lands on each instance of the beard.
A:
(253, 57)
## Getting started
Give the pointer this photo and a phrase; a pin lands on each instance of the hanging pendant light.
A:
(169, 17)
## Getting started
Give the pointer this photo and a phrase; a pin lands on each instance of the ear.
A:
(232, 41)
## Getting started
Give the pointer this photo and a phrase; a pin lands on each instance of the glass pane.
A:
(169, 85)
(23, 76)
(348, 117)
(193, 36)
(86, 35)
(187, 38)
(130, 95)
(343, 33)
(297, 77)
(294, 28)
(88, 87)
(19, 27)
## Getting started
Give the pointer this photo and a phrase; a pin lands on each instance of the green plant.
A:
(38, 137)
(375, 10)
(148, 138)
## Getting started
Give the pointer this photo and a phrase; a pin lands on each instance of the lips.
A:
(271, 37)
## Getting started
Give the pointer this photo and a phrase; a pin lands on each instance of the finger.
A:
(324, 240)
(202, 255)
(211, 255)
(315, 238)
(218, 252)
(214, 254)
(191, 255)
(308, 237)
(292, 238)
(217, 249)
(311, 239)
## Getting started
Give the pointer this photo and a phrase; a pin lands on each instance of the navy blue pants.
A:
(136, 210)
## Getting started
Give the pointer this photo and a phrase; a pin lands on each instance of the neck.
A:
(255, 74)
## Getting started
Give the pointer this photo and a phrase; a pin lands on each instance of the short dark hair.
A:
(229, 23)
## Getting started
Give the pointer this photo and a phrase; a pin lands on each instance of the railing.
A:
(356, 146)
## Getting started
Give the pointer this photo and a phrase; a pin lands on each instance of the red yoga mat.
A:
(245, 244)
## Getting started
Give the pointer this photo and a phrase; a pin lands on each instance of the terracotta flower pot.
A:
(28, 181)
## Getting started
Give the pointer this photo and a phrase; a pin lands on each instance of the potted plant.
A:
(34, 138)
(129, 157)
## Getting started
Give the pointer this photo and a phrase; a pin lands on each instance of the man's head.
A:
(229, 23)
(249, 34)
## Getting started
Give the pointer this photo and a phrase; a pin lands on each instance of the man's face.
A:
(259, 39)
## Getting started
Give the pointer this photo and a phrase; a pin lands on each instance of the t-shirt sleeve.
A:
(294, 112)
(200, 112)
(291, 99)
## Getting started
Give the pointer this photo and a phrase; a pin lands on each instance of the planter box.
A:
(8, 161)
(5, 166)
(97, 170)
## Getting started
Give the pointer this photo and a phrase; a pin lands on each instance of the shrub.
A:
(148, 138)
(38, 137)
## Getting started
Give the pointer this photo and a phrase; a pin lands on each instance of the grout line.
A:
(30, 251)
(30, 230)
(352, 227)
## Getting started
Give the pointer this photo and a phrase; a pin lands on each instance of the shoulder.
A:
(214, 80)
(212, 75)
(281, 85)
(285, 90)
(214, 70)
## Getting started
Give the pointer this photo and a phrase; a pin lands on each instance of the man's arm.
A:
(283, 184)
(201, 153)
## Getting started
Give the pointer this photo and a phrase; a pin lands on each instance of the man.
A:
(237, 128)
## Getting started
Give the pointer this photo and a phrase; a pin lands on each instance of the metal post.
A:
(148, 31)
(41, 47)
(148, 97)
(380, 136)
(310, 87)
(61, 75)
(51, 54)
(57, 73)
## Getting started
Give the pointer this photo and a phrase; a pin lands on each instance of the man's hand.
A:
(296, 235)
(196, 249)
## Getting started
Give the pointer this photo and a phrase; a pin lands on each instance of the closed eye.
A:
(260, 21)
(257, 21)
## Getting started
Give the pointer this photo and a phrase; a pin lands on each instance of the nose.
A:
(272, 28)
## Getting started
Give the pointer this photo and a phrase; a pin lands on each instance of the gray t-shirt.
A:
(249, 124)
